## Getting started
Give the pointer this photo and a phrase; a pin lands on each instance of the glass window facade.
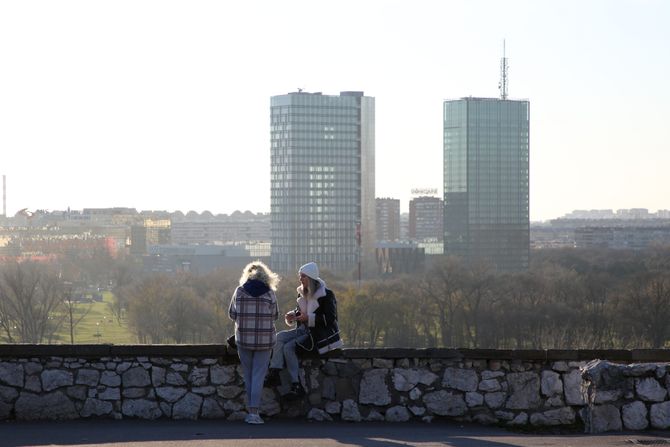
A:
(322, 180)
(486, 202)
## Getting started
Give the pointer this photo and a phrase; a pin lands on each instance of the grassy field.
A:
(98, 326)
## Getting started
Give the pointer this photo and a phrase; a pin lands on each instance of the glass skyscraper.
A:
(486, 149)
(323, 181)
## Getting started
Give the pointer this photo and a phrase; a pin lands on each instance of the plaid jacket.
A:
(254, 319)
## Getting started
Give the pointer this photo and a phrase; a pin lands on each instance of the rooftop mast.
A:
(502, 85)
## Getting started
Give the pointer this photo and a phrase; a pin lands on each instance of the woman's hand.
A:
(301, 317)
(290, 317)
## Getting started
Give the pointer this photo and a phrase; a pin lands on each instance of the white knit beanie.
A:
(310, 269)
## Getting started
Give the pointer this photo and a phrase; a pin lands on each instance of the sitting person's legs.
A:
(277, 361)
(284, 354)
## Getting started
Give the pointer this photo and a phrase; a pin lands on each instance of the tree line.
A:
(568, 299)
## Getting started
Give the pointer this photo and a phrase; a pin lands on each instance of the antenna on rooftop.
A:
(502, 85)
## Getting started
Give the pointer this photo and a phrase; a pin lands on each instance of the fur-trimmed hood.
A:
(308, 306)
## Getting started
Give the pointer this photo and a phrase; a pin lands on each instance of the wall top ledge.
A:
(216, 350)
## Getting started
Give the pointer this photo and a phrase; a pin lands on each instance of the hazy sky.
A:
(165, 104)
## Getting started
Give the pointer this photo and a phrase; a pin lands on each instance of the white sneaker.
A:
(255, 419)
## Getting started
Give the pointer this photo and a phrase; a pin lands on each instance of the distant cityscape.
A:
(172, 242)
(324, 208)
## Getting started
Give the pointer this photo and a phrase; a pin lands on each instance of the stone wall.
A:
(626, 396)
(513, 388)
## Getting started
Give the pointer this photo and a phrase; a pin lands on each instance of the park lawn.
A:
(98, 326)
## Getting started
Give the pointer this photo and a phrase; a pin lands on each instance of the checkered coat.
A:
(254, 319)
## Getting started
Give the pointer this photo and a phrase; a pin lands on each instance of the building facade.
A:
(486, 192)
(388, 219)
(235, 228)
(322, 181)
(426, 219)
(152, 232)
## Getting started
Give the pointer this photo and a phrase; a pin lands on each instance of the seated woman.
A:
(316, 328)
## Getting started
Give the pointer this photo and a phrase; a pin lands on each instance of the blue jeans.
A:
(284, 351)
(254, 367)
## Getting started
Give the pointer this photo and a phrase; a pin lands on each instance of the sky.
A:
(165, 105)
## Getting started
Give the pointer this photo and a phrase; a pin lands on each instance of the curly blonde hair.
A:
(259, 271)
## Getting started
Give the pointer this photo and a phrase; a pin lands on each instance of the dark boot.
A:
(273, 378)
(296, 392)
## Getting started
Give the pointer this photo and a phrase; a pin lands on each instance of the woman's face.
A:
(304, 280)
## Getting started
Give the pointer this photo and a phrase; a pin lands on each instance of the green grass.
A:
(98, 326)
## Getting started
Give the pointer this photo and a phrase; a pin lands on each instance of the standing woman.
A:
(254, 310)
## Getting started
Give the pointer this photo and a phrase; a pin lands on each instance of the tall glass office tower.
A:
(486, 148)
(323, 181)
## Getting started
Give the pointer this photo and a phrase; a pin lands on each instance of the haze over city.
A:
(165, 105)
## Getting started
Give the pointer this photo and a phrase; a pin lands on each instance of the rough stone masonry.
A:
(351, 385)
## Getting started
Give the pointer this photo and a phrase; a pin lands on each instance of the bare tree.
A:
(29, 295)
(648, 308)
(74, 312)
(442, 286)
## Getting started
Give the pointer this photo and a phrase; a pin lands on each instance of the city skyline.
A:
(163, 105)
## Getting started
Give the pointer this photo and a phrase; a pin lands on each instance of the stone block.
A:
(170, 394)
(350, 411)
(445, 403)
(415, 394)
(157, 376)
(473, 399)
(141, 408)
(211, 409)
(188, 407)
(198, 376)
(52, 406)
(648, 389)
(8, 394)
(551, 383)
(78, 392)
(110, 393)
(524, 391)
(374, 389)
(89, 377)
(96, 407)
(333, 407)
(495, 400)
(605, 418)
(374, 416)
(222, 375)
(572, 387)
(634, 416)
(5, 410)
(382, 363)
(136, 377)
(134, 393)
(559, 416)
(397, 414)
(488, 375)
(110, 378)
(489, 385)
(317, 414)
(33, 384)
(55, 378)
(460, 379)
(174, 378)
(659, 415)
